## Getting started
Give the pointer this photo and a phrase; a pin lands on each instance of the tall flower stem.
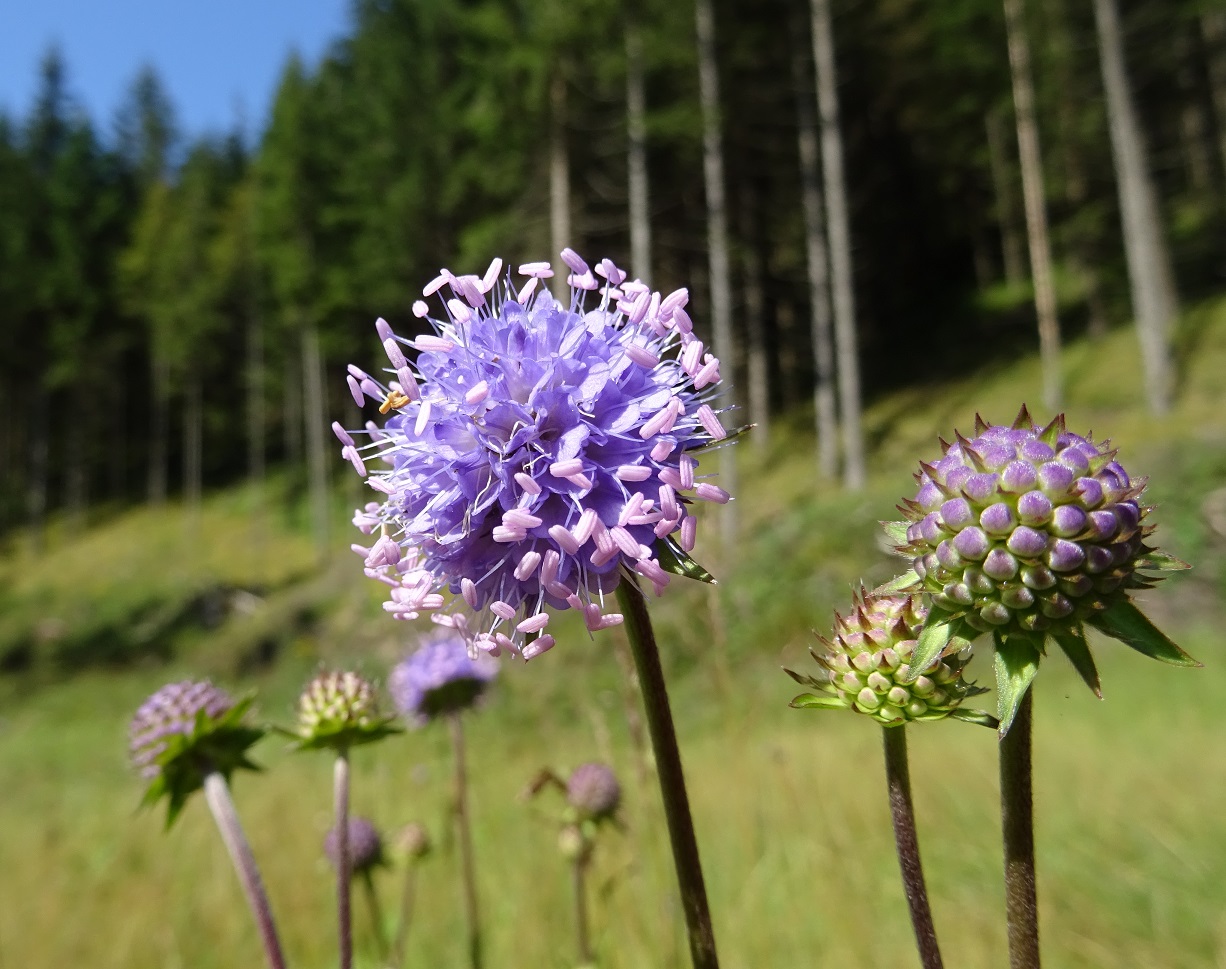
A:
(1017, 828)
(902, 812)
(668, 770)
(217, 794)
(464, 830)
(376, 914)
(579, 884)
(344, 858)
(407, 896)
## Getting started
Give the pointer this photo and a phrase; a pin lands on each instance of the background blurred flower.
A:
(365, 846)
(340, 709)
(440, 678)
(593, 791)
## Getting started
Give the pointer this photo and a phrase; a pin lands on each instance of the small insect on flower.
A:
(535, 453)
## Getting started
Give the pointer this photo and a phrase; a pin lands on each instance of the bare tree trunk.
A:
(559, 182)
(1193, 125)
(1213, 30)
(1154, 301)
(193, 448)
(717, 242)
(757, 369)
(1035, 201)
(1006, 212)
(636, 154)
(820, 322)
(255, 403)
(315, 411)
(36, 482)
(159, 386)
(117, 453)
(838, 229)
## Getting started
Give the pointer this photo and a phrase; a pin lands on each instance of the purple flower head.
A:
(534, 452)
(440, 678)
(171, 712)
(593, 791)
(365, 845)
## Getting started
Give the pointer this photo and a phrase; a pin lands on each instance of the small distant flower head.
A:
(365, 845)
(185, 731)
(412, 842)
(593, 791)
(535, 452)
(340, 709)
(574, 843)
(865, 667)
(439, 678)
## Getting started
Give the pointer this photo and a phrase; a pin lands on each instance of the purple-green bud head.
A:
(172, 712)
(593, 791)
(365, 846)
(412, 842)
(865, 666)
(339, 709)
(1022, 527)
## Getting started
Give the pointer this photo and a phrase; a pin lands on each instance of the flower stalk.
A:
(583, 940)
(376, 914)
(906, 840)
(217, 795)
(669, 772)
(1017, 828)
(468, 872)
(344, 857)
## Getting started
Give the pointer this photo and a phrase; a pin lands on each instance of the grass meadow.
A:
(790, 805)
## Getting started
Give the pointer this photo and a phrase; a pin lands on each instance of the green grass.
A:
(790, 804)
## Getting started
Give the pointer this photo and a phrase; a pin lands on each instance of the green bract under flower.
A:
(866, 667)
(339, 710)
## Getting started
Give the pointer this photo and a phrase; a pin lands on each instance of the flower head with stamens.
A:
(535, 452)
(440, 678)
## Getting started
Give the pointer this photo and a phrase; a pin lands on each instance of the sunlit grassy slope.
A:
(790, 805)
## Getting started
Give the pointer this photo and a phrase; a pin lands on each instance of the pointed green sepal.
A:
(1122, 620)
(900, 583)
(980, 717)
(673, 560)
(1075, 647)
(1017, 662)
(896, 532)
(810, 701)
(1050, 435)
(1157, 561)
(341, 736)
(726, 439)
(938, 630)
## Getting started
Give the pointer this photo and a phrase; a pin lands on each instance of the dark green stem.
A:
(902, 811)
(668, 770)
(1017, 828)
(376, 913)
(464, 831)
(344, 859)
(217, 794)
(579, 884)
(406, 915)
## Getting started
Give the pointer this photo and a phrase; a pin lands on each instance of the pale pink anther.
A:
(527, 565)
(585, 526)
(351, 453)
(633, 472)
(357, 372)
(526, 291)
(656, 423)
(468, 589)
(491, 275)
(432, 287)
(549, 565)
(378, 484)
(574, 601)
(710, 492)
(564, 469)
(634, 287)
(477, 392)
(361, 550)
(690, 356)
(527, 482)
(558, 590)
(672, 478)
(429, 343)
(408, 383)
(665, 526)
(355, 391)
(394, 353)
(631, 508)
(709, 374)
(508, 534)
(625, 541)
(564, 539)
(674, 409)
(650, 568)
(503, 610)
(518, 518)
(674, 301)
(371, 389)
(486, 643)
(686, 468)
(611, 619)
(533, 624)
(682, 321)
(574, 260)
(459, 312)
(646, 518)
(639, 309)
(710, 421)
(540, 270)
(505, 641)
(662, 449)
(423, 418)
(600, 535)
(609, 270)
(420, 309)
(580, 480)
(584, 281)
(642, 356)
(668, 502)
(342, 435)
(383, 329)
(603, 556)
(470, 289)
(542, 644)
(592, 616)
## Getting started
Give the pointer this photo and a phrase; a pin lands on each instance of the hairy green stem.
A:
(406, 915)
(671, 778)
(217, 794)
(376, 914)
(464, 831)
(579, 884)
(1017, 828)
(344, 858)
(902, 812)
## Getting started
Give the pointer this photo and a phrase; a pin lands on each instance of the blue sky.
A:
(219, 59)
